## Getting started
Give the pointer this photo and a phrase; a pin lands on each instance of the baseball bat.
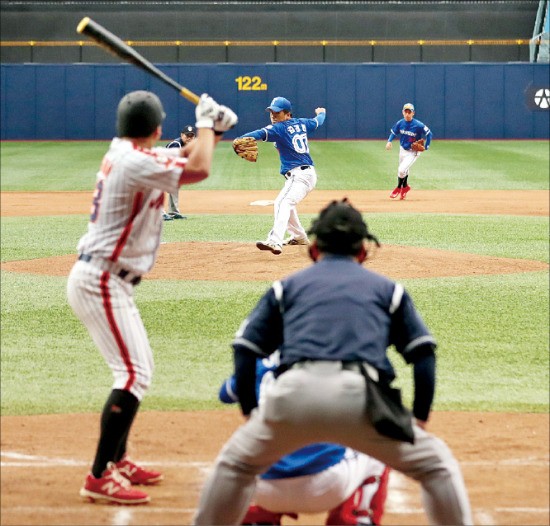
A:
(115, 45)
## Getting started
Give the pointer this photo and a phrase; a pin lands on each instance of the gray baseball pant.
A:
(173, 203)
(321, 402)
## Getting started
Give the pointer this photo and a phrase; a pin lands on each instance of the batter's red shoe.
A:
(404, 191)
(395, 193)
(136, 475)
(112, 487)
(258, 515)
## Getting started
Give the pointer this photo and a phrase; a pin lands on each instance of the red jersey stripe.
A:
(138, 201)
(106, 296)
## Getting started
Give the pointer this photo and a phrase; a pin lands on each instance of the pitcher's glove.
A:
(418, 146)
(247, 148)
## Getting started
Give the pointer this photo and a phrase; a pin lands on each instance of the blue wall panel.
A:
(342, 111)
(370, 102)
(109, 89)
(430, 98)
(457, 101)
(518, 120)
(51, 87)
(489, 101)
(541, 77)
(80, 115)
(400, 88)
(19, 116)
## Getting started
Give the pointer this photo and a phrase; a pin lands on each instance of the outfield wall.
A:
(457, 101)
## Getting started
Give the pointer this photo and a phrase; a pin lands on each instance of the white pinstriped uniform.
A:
(123, 236)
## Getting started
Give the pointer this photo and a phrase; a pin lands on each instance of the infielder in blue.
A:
(332, 323)
(351, 486)
(409, 130)
(290, 136)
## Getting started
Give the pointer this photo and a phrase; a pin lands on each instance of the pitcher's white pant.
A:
(105, 305)
(406, 159)
(321, 402)
(297, 186)
(321, 491)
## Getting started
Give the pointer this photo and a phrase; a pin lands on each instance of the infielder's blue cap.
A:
(408, 106)
(279, 104)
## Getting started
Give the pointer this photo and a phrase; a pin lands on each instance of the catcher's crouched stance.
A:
(332, 324)
(247, 148)
(349, 485)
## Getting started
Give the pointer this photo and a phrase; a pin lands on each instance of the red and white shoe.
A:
(404, 191)
(258, 515)
(395, 193)
(112, 487)
(137, 475)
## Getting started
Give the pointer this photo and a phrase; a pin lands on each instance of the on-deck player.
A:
(290, 136)
(349, 485)
(120, 246)
(409, 130)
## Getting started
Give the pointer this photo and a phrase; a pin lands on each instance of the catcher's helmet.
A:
(138, 114)
(340, 229)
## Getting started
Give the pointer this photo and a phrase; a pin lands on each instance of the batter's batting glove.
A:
(206, 112)
(225, 120)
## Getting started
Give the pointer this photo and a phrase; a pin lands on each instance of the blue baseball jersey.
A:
(308, 460)
(372, 314)
(409, 132)
(291, 140)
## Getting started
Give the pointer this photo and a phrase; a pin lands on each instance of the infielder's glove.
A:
(247, 148)
(418, 146)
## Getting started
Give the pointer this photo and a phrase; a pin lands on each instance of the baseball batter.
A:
(119, 247)
(332, 324)
(409, 130)
(290, 136)
(351, 486)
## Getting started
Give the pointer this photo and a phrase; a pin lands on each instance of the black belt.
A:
(122, 274)
(303, 167)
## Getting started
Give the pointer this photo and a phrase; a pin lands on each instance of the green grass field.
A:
(492, 330)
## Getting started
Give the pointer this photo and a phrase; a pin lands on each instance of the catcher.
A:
(414, 138)
(347, 484)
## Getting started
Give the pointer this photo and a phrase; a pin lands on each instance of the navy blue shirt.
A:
(335, 310)
(176, 143)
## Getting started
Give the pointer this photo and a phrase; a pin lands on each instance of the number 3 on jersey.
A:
(299, 141)
(96, 200)
(103, 173)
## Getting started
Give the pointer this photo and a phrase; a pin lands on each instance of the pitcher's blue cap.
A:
(408, 106)
(279, 104)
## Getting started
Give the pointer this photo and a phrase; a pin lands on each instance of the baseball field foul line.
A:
(24, 460)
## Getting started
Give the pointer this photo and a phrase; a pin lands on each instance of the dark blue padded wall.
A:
(457, 101)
